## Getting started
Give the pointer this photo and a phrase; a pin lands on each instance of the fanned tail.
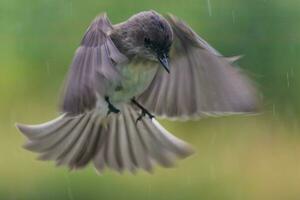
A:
(116, 141)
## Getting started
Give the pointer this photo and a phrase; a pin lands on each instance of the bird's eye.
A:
(147, 42)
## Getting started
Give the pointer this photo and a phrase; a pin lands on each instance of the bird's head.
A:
(148, 35)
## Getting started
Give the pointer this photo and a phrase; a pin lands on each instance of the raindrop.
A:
(288, 79)
(149, 191)
(213, 139)
(292, 71)
(70, 195)
(209, 8)
(233, 16)
(71, 8)
(48, 67)
(69, 190)
(188, 179)
(212, 171)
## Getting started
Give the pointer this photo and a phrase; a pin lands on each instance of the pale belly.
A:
(136, 79)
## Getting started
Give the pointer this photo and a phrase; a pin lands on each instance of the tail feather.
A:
(34, 132)
(79, 148)
(52, 139)
(91, 145)
(116, 141)
(55, 148)
(142, 155)
(157, 153)
(72, 145)
(110, 146)
(175, 145)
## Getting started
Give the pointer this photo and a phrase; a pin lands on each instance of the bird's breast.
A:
(136, 77)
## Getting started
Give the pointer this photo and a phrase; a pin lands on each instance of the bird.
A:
(124, 77)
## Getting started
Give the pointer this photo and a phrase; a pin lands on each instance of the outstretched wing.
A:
(201, 81)
(93, 64)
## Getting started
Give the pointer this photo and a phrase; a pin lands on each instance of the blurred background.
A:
(239, 157)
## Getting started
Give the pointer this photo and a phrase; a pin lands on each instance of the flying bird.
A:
(126, 75)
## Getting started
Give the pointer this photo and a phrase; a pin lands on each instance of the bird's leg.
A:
(144, 110)
(111, 108)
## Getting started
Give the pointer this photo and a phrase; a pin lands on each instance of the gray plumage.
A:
(117, 63)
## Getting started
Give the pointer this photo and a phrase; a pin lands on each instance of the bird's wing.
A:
(93, 64)
(201, 81)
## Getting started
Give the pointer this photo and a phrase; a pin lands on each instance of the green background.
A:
(240, 157)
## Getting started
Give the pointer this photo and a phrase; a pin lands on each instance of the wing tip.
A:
(23, 129)
(171, 16)
(234, 59)
(188, 150)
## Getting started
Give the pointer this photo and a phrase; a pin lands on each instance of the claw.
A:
(143, 114)
(111, 107)
(140, 117)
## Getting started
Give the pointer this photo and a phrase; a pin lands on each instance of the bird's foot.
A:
(143, 114)
(144, 111)
(111, 107)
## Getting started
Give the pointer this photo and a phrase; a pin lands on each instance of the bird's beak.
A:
(164, 62)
